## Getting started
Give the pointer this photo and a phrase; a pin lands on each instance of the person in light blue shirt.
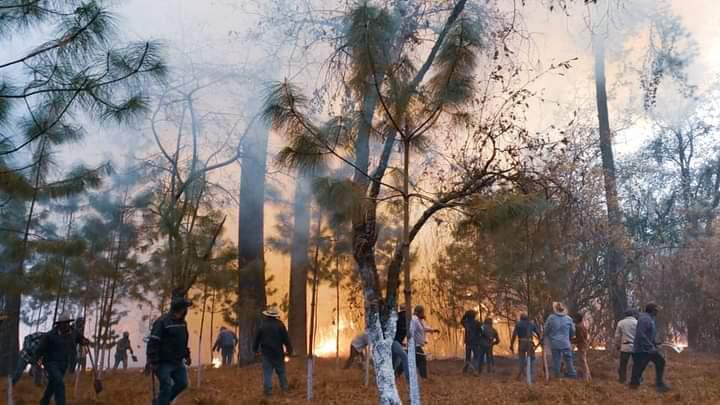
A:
(559, 330)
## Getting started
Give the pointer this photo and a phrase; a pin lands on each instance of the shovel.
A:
(97, 384)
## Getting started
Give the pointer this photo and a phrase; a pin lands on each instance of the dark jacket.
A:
(401, 331)
(473, 332)
(226, 340)
(645, 335)
(525, 329)
(489, 336)
(270, 339)
(168, 342)
(58, 347)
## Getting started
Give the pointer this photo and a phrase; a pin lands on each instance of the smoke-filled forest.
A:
(359, 201)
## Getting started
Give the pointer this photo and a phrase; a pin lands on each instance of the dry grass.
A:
(694, 379)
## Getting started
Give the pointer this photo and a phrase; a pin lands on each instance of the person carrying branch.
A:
(168, 352)
(225, 344)
(524, 332)
(273, 343)
(121, 349)
(624, 339)
(54, 351)
(419, 329)
(645, 350)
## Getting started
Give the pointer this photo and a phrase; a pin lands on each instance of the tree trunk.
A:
(615, 272)
(299, 261)
(337, 313)
(313, 310)
(251, 260)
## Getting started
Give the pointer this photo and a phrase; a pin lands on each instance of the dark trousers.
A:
(483, 357)
(526, 352)
(19, 369)
(473, 358)
(227, 355)
(56, 386)
(270, 364)
(622, 370)
(490, 359)
(173, 380)
(421, 362)
(640, 363)
(121, 358)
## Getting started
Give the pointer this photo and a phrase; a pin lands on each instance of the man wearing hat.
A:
(168, 351)
(55, 351)
(121, 349)
(645, 350)
(559, 330)
(270, 340)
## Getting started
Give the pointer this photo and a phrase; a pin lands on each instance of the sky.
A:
(206, 31)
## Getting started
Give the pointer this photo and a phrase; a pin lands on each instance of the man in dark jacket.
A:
(225, 344)
(399, 357)
(524, 332)
(471, 336)
(55, 350)
(167, 350)
(273, 343)
(645, 350)
(488, 339)
(121, 349)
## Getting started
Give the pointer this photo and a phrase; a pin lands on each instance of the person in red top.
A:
(582, 343)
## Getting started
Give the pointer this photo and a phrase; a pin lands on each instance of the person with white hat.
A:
(55, 350)
(558, 331)
(273, 343)
(168, 351)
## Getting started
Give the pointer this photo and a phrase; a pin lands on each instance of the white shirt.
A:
(625, 334)
(418, 329)
(360, 342)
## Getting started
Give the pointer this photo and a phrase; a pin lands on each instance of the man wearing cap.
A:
(273, 343)
(645, 350)
(121, 349)
(55, 350)
(559, 330)
(168, 351)
(225, 344)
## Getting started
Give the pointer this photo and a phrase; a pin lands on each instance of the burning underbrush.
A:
(694, 379)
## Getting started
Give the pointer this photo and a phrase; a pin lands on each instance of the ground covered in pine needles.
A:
(695, 379)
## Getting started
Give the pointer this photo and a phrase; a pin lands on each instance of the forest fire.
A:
(216, 362)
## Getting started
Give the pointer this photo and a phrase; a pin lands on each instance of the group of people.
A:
(480, 340)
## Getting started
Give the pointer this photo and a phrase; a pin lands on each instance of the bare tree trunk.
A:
(615, 271)
(337, 312)
(299, 261)
(200, 336)
(62, 271)
(313, 310)
(251, 261)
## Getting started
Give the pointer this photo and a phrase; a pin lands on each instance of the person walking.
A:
(225, 344)
(582, 343)
(645, 350)
(524, 332)
(399, 356)
(357, 349)
(273, 343)
(419, 331)
(559, 329)
(624, 339)
(121, 349)
(489, 340)
(54, 351)
(30, 355)
(471, 335)
(168, 352)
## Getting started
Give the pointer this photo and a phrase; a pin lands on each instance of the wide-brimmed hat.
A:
(64, 317)
(180, 302)
(559, 308)
(271, 312)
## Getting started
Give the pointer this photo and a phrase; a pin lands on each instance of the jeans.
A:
(173, 380)
(560, 355)
(399, 360)
(526, 352)
(482, 355)
(421, 362)
(490, 359)
(622, 370)
(122, 358)
(19, 370)
(640, 363)
(56, 386)
(227, 356)
(273, 364)
(472, 358)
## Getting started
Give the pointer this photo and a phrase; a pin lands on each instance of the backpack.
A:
(31, 344)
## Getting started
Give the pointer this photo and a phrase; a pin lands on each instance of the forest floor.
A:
(695, 379)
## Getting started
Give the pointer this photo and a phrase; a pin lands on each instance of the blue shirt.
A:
(645, 334)
(525, 329)
(559, 329)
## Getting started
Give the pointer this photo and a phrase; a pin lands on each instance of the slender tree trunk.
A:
(299, 262)
(212, 323)
(251, 261)
(200, 336)
(62, 271)
(313, 310)
(337, 312)
(615, 271)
